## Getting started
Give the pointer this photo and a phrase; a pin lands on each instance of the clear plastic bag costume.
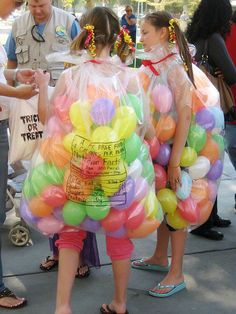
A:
(92, 170)
(170, 91)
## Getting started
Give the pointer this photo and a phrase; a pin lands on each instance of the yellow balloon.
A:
(103, 142)
(168, 200)
(124, 122)
(80, 116)
(77, 144)
(188, 158)
(151, 205)
(176, 221)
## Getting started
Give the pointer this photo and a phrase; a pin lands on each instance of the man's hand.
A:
(25, 76)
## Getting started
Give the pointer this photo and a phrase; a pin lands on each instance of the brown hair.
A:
(162, 19)
(106, 29)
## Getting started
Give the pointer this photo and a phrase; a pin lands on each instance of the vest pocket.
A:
(22, 54)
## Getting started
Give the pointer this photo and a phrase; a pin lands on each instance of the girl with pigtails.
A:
(95, 156)
(187, 155)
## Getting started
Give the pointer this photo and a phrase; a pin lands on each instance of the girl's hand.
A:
(174, 177)
(26, 91)
(42, 78)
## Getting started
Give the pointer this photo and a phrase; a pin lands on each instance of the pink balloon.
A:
(141, 188)
(54, 195)
(53, 126)
(114, 220)
(62, 106)
(160, 177)
(188, 210)
(162, 98)
(135, 215)
(49, 225)
(154, 147)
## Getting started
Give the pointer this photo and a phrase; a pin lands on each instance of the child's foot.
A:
(10, 301)
(169, 280)
(113, 308)
(49, 263)
(83, 272)
(152, 261)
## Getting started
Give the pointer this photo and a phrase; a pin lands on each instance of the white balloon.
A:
(135, 169)
(200, 168)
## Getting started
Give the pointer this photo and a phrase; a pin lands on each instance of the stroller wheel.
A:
(19, 235)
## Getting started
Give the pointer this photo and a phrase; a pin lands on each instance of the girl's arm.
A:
(181, 88)
(42, 79)
(24, 76)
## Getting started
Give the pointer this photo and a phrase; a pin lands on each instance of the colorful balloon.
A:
(212, 190)
(125, 121)
(39, 208)
(160, 177)
(26, 214)
(141, 188)
(135, 169)
(97, 205)
(144, 153)
(165, 128)
(205, 118)
(61, 106)
(216, 170)
(188, 157)
(200, 168)
(133, 146)
(148, 171)
(54, 195)
(135, 215)
(114, 220)
(162, 98)
(220, 141)
(73, 213)
(90, 225)
(154, 147)
(211, 151)
(188, 210)
(218, 117)
(134, 102)
(49, 225)
(168, 200)
(148, 226)
(103, 110)
(91, 166)
(199, 190)
(196, 137)
(184, 190)
(80, 116)
(119, 233)
(163, 156)
(124, 196)
(176, 221)
(151, 205)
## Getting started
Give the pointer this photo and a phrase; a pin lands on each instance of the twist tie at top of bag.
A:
(171, 28)
(90, 40)
(124, 36)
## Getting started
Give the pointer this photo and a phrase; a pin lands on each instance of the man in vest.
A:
(42, 30)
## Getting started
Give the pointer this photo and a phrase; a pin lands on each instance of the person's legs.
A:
(175, 275)
(160, 255)
(51, 261)
(3, 169)
(120, 251)
(230, 138)
(70, 245)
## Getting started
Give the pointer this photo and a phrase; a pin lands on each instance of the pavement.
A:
(209, 268)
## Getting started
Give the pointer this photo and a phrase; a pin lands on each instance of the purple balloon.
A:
(118, 233)
(124, 196)
(57, 213)
(206, 119)
(215, 171)
(163, 155)
(26, 213)
(90, 225)
(102, 111)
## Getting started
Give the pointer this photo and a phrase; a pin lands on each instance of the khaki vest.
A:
(57, 35)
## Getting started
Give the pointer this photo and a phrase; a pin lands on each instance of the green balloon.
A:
(219, 140)
(144, 153)
(148, 171)
(55, 174)
(97, 205)
(73, 213)
(28, 191)
(132, 147)
(196, 137)
(133, 101)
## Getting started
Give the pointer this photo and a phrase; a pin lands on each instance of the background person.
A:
(129, 21)
(7, 298)
(42, 30)
(211, 22)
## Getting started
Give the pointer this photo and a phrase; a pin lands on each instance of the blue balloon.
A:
(218, 116)
(184, 190)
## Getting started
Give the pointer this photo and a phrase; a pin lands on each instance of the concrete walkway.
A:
(209, 267)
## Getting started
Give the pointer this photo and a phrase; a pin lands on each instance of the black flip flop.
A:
(107, 310)
(85, 274)
(7, 293)
(49, 259)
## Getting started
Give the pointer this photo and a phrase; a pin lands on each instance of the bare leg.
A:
(121, 270)
(68, 264)
(175, 274)
(160, 255)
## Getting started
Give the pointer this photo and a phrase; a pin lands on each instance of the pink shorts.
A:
(117, 249)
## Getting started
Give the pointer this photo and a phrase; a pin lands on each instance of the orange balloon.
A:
(39, 208)
(148, 226)
(165, 128)
(145, 80)
(197, 102)
(210, 150)
(199, 190)
(205, 208)
(76, 188)
(95, 92)
(52, 150)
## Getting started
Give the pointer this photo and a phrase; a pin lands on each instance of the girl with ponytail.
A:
(175, 87)
(100, 120)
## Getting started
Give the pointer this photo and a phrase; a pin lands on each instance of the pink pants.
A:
(117, 249)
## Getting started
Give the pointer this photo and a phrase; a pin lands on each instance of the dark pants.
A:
(210, 221)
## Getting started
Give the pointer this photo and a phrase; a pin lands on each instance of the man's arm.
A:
(12, 61)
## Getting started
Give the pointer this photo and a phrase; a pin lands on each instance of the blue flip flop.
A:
(145, 266)
(174, 289)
